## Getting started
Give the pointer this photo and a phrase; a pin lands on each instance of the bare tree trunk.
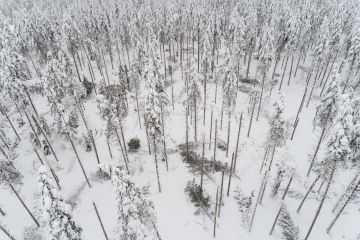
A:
(276, 63)
(205, 80)
(24, 205)
(187, 133)
(221, 118)
(343, 207)
(307, 193)
(248, 66)
(215, 215)
(211, 120)
(147, 137)
(251, 118)
(237, 142)
(272, 155)
(291, 67)
(107, 143)
(31, 103)
(283, 75)
(330, 70)
(56, 179)
(346, 191)
(79, 161)
(257, 202)
(198, 46)
(122, 152)
(164, 140)
(311, 92)
(230, 174)
(326, 67)
(297, 65)
(202, 165)
(221, 191)
(195, 123)
(322, 201)
(295, 126)
(228, 135)
(287, 187)
(43, 133)
(76, 67)
(316, 150)
(276, 218)
(101, 223)
(215, 143)
(12, 126)
(95, 149)
(123, 139)
(172, 86)
(261, 94)
(156, 166)
(2, 212)
(6, 232)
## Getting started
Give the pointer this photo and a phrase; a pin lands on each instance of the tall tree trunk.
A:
(6, 232)
(76, 67)
(9, 120)
(343, 207)
(316, 150)
(228, 135)
(156, 166)
(257, 201)
(122, 151)
(100, 221)
(204, 117)
(230, 174)
(24, 205)
(221, 192)
(202, 165)
(307, 193)
(346, 191)
(322, 201)
(215, 143)
(283, 75)
(46, 139)
(294, 129)
(211, 120)
(291, 67)
(237, 142)
(287, 186)
(252, 115)
(248, 66)
(215, 215)
(276, 218)
(79, 161)
(261, 94)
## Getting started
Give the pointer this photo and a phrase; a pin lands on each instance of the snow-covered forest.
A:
(179, 119)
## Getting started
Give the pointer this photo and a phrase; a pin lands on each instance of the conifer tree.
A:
(289, 230)
(135, 213)
(57, 217)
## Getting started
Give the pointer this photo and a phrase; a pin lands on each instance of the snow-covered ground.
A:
(174, 211)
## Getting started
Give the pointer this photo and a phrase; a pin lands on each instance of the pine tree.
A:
(326, 110)
(278, 125)
(136, 216)
(8, 173)
(277, 182)
(289, 230)
(57, 216)
(244, 202)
